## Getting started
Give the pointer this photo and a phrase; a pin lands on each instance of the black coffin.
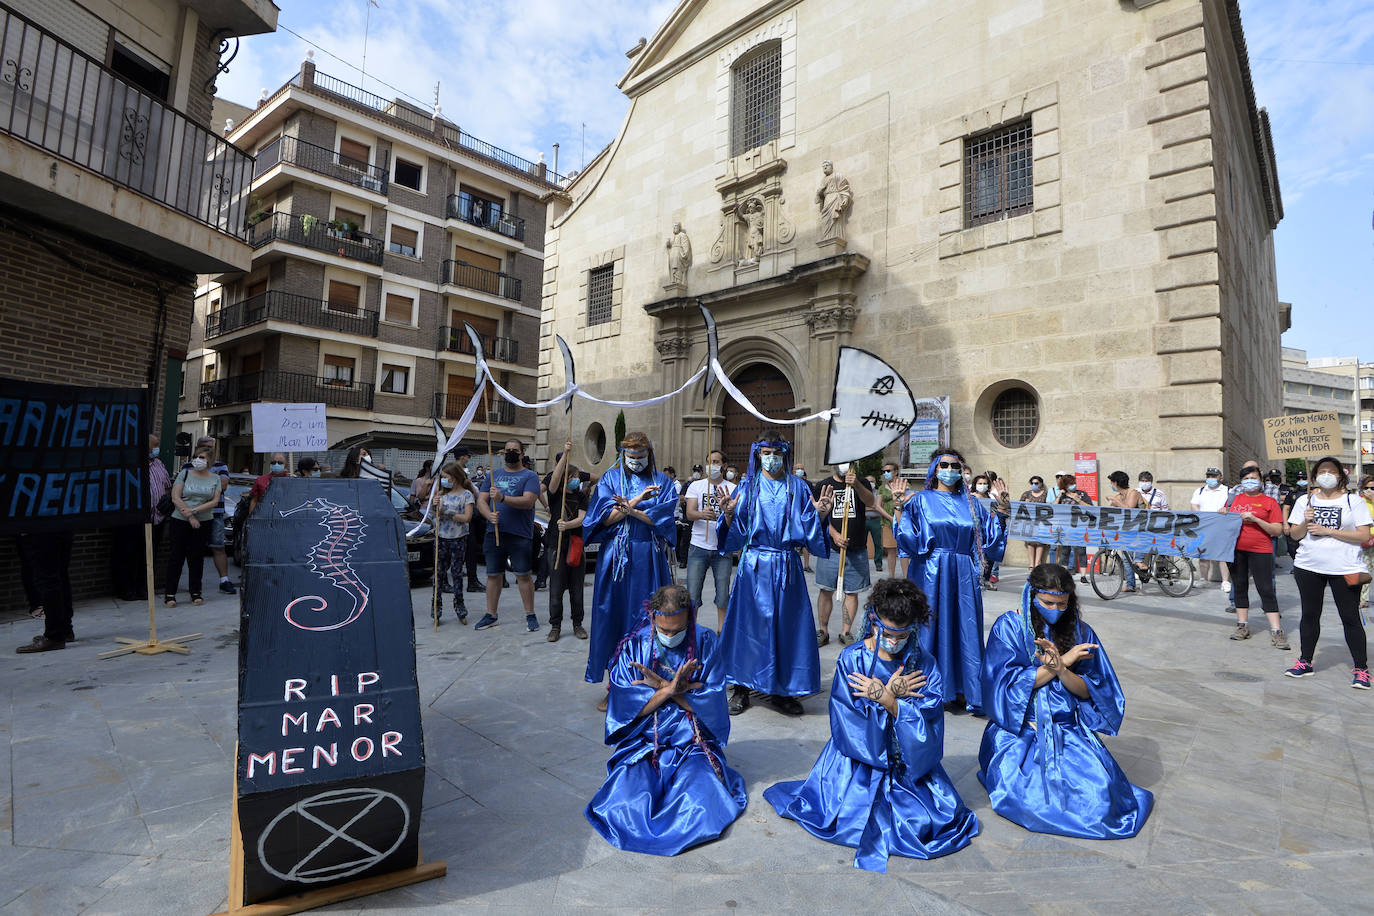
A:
(331, 761)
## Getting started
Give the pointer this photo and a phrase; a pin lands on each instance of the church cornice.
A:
(846, 266)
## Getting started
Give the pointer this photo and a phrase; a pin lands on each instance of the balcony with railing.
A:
(322, 161)
(287, 387)
(282, 306)
(320, 234)
(456, 340)
(483, 213)
(491, 282)
(451, 408)
(69, 105)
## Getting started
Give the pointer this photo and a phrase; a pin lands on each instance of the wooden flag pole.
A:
(152, 645)
(563, 509)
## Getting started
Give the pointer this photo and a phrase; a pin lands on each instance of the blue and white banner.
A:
(1200, 535)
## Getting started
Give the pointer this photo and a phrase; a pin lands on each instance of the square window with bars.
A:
(756, 98)
(599, 285)
(338, 370)
(997, 174)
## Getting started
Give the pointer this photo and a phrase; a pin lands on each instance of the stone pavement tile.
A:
(44, 817)
(164, 887)
(1171, 846)
(602, 885)
(198, 831)
(37, 867)
(169, 783)
(59, 897)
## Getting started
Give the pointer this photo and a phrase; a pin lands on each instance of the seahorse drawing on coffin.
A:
(331, 758)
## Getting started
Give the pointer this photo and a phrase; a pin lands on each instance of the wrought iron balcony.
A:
(478, 212)
(321, 161)
(451, 408)
(506, 349)
(71, 106)
(492, 282)
(320, 234)
(289, 387)
(283, 306)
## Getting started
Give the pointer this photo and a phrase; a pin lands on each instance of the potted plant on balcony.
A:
(258, 214)
(308, 223)
(354, 234)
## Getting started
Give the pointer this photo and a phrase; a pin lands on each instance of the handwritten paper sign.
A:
(1303, 435)
(289, 428)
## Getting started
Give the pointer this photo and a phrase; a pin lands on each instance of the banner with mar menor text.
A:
(1200, 535)
(71, 457)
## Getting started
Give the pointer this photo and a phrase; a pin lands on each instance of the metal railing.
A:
(320, 234)
(478, 212)
(70, 105)
(492, 282)
(446, 408)
(283, 306)
(456, 339)
(322, 161)
(287, 387)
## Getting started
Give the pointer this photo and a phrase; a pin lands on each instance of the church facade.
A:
(1059, 214)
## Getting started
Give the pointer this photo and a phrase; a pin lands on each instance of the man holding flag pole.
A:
(849, 551)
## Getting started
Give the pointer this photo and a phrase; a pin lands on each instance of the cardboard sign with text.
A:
(1303, 435)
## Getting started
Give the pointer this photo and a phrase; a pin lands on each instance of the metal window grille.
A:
(599, 294)
(1015, 417)
(997, 174)
(755, 98)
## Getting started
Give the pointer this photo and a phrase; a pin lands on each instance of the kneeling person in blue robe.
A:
(667, 785)
(1048, 688)
(878, 785)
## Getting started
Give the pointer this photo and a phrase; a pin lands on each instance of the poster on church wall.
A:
(929, 432)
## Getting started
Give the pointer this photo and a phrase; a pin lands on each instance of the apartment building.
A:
(114, 194)
(1342, 384)
(377, 230)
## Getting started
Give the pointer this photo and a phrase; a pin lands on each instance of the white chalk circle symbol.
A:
(335, 813)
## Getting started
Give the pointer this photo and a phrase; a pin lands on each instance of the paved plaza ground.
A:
(118, 781)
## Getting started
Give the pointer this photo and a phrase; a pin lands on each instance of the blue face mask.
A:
(315, 473)
(154, 453)
(276, 467)
(1251, 485)
(574, 484)
(949, 476)
(887, 475)
(670, 642)
(772, 464)
(1051, 614)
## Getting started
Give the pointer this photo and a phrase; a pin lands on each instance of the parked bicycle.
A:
(1107, 572)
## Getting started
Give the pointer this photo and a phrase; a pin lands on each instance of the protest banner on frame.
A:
(1200, 535)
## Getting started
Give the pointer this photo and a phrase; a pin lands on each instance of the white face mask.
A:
(800, 472)
(982, 488)
(1146, 486)
(1327, 481)
(198, 463)
(696, 475)
(636, 465)
(714, 471)
(729, 475)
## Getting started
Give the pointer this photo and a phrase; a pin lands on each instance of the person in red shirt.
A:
(1263, 519)
(277, 468)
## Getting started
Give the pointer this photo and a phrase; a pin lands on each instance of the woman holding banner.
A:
(949, 536)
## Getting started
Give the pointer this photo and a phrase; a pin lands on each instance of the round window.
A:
(1015, 417)
(595, 443)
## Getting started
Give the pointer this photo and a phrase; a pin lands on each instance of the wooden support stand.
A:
(152, 645)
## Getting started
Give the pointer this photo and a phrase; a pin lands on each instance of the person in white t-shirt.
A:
(1154, 496)
(704, 501)
(1211, 497)
(1329, 525)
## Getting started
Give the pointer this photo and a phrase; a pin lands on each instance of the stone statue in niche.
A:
(833, 198)
(679, 256)
(751, 212)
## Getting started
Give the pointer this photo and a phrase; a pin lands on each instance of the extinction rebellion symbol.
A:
(347, 825)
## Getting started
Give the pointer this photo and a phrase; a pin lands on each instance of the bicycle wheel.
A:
(1174, 575)
(1107, 574)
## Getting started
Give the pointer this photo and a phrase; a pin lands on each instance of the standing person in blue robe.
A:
(667, 785)
(1049, 688)
(878, 785)
(631, 516)
(768, 642)
(949, 535)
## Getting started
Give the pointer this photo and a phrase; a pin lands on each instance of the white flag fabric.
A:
(873, 406)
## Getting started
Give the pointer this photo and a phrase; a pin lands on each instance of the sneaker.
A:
(992, 579)
(822, 638)
(531, 623)
(228, 587)
(487, 621)
(554, 633)
(1083, 579)
(1279, 640)
(579, 631)
(846, 637)
(1242, 631)
(1361, 681)
(475, 587)
(1226, 587)
(1300, 669)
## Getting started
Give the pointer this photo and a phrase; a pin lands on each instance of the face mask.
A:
(1327, 481)
(1146, 486)
(1213, 482)
(512, 456)
(949, 476)
(198, 463)
(446, 484)
(1071, 487)
(636, 465)
(968, 478)
(574, 484)
(713, 470)
(154, 453)
(315, 473)
(800, 472)
(982, 488)
(772, 464)
(1302, 481)
(696, 475)
(1051, 614)
(887, 476)
(1037, 487)
(892, 644)
(1250, 486)
(276, 467)
(670, 642)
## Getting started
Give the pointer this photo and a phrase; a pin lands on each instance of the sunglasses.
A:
(950, 464)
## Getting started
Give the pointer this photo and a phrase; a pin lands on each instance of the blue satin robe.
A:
(633, 562)
(856, 797)
(936, 531)
(679, 802)
(769, 639)
(1057, 778)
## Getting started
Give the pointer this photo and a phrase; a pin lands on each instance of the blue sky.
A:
(524, 75)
